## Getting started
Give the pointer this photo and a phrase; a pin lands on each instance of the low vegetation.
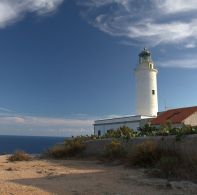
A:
(114, 150)
(143, 154)
(122, 132)
(169, 166)
(19, 156)
(71, 148)
(125, 132)
(161, 160)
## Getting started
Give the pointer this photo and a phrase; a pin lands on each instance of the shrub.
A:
(147, 130)
(113, 134)
(74, 147)
(85, 138)
(57, 151)
(167, 161)
(168, 165)
(126, 132)
(115, 150)
(163, 131)
(121, 132)
(19, 156)
(144, 154)
(71, 148)
(110, 133)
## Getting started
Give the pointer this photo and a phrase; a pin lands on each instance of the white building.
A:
(146, 98)
(146, 85)
(134, 122)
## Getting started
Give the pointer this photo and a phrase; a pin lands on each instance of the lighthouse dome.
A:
(145, 52)
(145, 56)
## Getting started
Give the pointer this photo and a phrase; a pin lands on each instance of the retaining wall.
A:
(186, 146)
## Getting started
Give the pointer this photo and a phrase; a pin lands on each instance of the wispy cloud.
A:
(34, 125)
(189, 62)
(2, 110)
(176, 6)
(6, 112)
(13, 10)
(151, 22)
(190, 45)
(44, 121)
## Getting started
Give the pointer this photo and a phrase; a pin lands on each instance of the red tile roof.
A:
(175, 116)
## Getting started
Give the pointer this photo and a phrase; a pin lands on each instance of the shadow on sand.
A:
(76, 177)
(64, 177)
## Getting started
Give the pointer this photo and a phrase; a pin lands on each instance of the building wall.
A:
(103, 128)
(191, 120)
(178, 125)
(146, 81)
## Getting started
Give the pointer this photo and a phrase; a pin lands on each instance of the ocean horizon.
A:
(29, 144)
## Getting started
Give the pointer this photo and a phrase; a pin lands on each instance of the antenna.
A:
(165, 106)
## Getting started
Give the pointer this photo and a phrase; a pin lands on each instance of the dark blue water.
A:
(29, 144)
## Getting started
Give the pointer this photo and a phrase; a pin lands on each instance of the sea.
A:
(29, 144)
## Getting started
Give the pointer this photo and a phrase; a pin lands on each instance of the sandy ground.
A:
(77, 177)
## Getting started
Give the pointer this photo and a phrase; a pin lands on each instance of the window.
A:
(99, 132)
(153, 92)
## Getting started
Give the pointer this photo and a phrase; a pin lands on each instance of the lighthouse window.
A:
(151, 66)
(153, 92)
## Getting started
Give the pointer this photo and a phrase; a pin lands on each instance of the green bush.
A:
(184, 130)
(122, 132)
(164, 130)
(19, 156)
(112, 134)
(147, 130)
(115, 150)
(126, 132)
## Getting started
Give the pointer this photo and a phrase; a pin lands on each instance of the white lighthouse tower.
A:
(146, 86)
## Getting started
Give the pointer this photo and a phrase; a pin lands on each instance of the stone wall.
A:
(186, 146)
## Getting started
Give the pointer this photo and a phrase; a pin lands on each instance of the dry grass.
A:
(71, 148)
(114, 150)
(19, 156)
(144, 154)
(169, 162)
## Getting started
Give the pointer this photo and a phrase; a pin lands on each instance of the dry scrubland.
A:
(61, 177)
(171, 156)
(115, 164)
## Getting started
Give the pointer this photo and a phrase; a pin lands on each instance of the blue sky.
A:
(65, 63)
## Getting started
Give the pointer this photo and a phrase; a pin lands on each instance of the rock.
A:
(185, 186)
(11, 169)
(150, 181)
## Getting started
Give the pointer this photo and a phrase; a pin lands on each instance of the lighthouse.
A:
(146, 99)
(146, 85)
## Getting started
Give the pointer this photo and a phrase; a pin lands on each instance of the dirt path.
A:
(77, 177)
